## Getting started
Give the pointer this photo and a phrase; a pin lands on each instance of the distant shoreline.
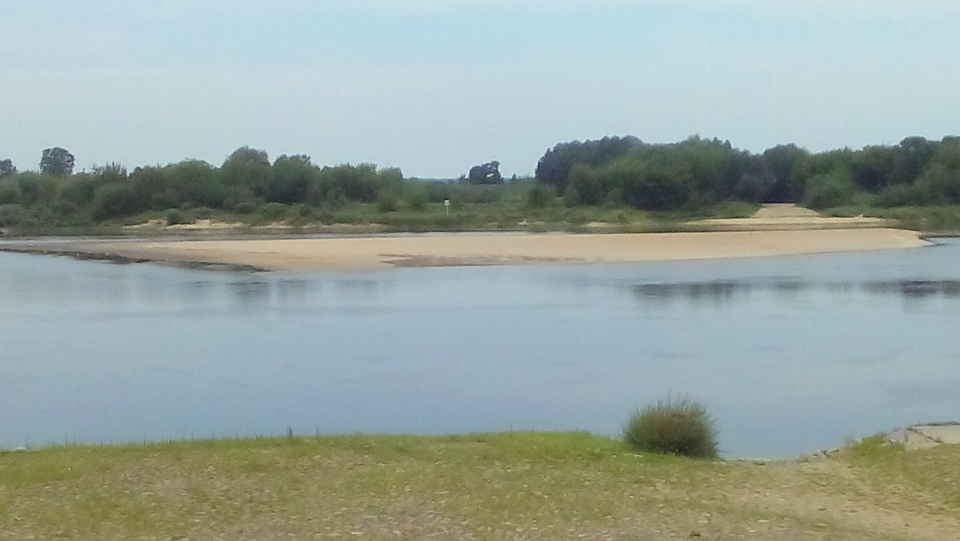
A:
(475, 249)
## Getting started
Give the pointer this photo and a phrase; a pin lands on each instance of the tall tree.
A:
(247, 167)
(57, 161)
(912, 156)
(785, 165)
(7, 167)
(486, 173)
(290, 179)
(872, 166)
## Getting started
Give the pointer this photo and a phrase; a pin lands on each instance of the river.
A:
(789, 354)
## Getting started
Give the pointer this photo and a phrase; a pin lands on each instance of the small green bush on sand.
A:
(175, 217)
(674, 427)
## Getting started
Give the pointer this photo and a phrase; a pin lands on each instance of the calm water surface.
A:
(791, 354)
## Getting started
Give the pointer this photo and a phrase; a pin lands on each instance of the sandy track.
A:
(305, 254)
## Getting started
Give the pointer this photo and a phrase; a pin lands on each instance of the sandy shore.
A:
(305, 254)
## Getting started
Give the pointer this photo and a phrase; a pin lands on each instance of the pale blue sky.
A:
(435, 86)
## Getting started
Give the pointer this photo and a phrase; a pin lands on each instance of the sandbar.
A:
(476, 249)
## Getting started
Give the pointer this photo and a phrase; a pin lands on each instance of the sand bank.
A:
(437, 250)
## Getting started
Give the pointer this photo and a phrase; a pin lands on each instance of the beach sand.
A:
(453, 249)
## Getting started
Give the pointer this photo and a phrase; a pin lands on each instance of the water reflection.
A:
(917, 288)
(359, 288)
(726, 290)
(250, 292)
(292, 289)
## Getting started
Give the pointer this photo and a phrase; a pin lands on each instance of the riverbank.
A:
(540, 486)
(438, 250)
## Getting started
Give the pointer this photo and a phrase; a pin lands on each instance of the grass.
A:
(486, 486)
(919, 218)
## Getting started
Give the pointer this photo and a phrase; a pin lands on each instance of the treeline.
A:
(247, 182)
(576, 181)
(697, 173)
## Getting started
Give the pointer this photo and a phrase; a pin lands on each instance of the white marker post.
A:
(446, 204)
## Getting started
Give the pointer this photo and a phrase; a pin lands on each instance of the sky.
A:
(436, 86)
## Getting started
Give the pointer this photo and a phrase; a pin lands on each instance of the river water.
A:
(790, 354)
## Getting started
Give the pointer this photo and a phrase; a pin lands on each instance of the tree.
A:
(715, 165)
(872, 167)
(7, 167)
(554, 167)
(247, 167)
(486, 173)
(940, 185)
(785, 163)
(195, 182)
(290, 179)
(57, 161)
(911, 157)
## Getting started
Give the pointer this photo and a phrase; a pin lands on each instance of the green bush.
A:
(540, 196)
(673, 427)
(273, 211)
(116, 200)
(416, 196)
(9, 193)
(832, 190)
(388, 202)
(900, 195)
(204, 213)
(10, 214)
(245, 207)
(175, 217)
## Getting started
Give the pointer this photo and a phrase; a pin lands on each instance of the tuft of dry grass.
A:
(485, 486)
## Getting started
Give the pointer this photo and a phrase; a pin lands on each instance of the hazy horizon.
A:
(435, 87)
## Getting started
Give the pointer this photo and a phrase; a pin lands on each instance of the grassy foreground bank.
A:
(497, 486)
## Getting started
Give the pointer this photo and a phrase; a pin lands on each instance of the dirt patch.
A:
(829, 494)
(785, 210)
(785, 217)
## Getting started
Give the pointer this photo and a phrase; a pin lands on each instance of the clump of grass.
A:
(674, 427)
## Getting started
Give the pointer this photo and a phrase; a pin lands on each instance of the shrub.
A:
(10, 214)
(65, 207)
(387, 202)
(832, 190)
(416, 196)
(540, 196)
(245, 207)
(474, 194)
(116, 200)
(273, 211)
(204, 212)
(175, 217)
(900, 195)
(9, 194)
(674, 427)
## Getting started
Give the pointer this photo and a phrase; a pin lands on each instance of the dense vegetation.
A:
(700, 172)
(247, 185)
(576, 182)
